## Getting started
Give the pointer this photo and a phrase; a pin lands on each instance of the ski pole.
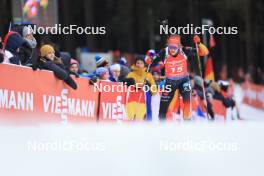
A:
(201, 75)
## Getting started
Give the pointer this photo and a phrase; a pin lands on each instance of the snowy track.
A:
(233, 148)
(196, 148)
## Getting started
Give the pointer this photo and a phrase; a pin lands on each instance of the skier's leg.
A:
(174, 106)
(210, 109)
(185, 90)
(166, 98)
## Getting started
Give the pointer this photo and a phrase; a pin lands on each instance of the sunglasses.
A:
(173, 47)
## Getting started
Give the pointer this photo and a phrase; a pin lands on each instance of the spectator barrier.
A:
(37, 97)
(28, 96)
(253, 95)
(112, 98)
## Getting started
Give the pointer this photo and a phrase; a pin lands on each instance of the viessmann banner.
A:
(112, 105)
(254, 95)
(37, 96)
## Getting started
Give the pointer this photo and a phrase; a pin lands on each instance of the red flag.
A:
(212, 41)
(209, 70)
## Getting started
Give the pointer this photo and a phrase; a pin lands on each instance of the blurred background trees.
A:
(132, 26)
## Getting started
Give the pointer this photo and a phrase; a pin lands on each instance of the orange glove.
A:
(196, 39)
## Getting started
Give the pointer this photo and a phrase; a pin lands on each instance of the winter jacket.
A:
(227, 102)
(142, 78)
(66, 59)
(58, 69)
(12, 46)
(1, 57)
(112, 79)
(124, 71)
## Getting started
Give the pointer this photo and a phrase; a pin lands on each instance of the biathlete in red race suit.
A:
(176, 73)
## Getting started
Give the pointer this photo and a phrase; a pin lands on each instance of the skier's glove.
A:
(196, 39)
(202, 49)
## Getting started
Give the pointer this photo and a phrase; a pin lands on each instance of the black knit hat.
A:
(140, 57)
(12, 41)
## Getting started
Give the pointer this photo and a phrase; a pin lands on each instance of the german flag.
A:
(209, 69)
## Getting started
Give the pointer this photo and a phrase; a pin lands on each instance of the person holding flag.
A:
(176, 74)
(139, 97)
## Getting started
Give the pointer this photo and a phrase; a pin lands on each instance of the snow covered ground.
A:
(251, 113)
(205, 148)
(232, 148)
